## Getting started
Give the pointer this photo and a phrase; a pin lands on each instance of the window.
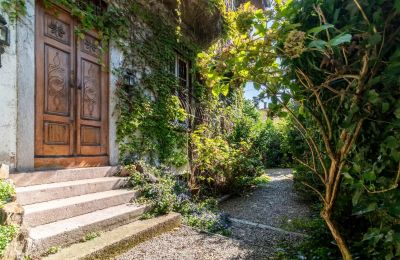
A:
(99, 6)
(182, 74)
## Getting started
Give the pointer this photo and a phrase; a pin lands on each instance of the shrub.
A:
(170, 193)
(222, 167)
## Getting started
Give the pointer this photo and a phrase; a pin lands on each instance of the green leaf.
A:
(397, 5)
(375, 39)
(341, 38)
(369, 176)
(371, 207)
(336, 15)
(356, 197)
(257, 86)
(397, 112)
(347, 175)
(285, 97)
(225, 89)
(302, 110)
(319, 29)
(319, 44)
(391, 142)
(373, 96)
(201, 55)
(260, 29)
(385, 107)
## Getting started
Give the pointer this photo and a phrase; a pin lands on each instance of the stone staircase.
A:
(62, 206)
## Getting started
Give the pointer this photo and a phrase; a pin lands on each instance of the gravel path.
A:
(270, 205)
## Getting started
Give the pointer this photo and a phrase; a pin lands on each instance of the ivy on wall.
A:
(150, 115)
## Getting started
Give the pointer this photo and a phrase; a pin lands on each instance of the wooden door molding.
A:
(71, 94)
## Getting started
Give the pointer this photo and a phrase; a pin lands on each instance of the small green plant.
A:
(7, 234)
(90, 236)
(263, 179)
(7, 190)
(52, 250)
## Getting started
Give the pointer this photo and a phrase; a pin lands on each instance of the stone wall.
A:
(8, 102)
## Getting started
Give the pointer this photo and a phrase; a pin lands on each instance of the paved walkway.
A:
(257, 221)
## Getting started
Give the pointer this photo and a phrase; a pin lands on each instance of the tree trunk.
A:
(344, 250)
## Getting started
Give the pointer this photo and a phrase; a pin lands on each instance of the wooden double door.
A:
(71, 125)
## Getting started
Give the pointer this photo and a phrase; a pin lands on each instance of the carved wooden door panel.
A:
(91, 103)
(71, 94)
(54, 93)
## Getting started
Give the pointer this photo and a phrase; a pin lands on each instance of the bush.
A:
(222, 167)
(268, 144)
(170, 193)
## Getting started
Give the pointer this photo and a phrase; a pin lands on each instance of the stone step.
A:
(71, 230)
(53, 191)
(54, 176)
(121, 239)
(54, 210)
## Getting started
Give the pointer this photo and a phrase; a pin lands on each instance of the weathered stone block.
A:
(123, 172)
(11, 214)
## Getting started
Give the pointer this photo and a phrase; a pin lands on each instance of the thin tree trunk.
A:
(344, 250)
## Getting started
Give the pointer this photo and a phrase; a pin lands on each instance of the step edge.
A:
(86, 198)
(22, 179)
(134, 208)
(33, 219)
(99, 248)
(63, 170)
(44, 186)
(39, 245)
(30, 197)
